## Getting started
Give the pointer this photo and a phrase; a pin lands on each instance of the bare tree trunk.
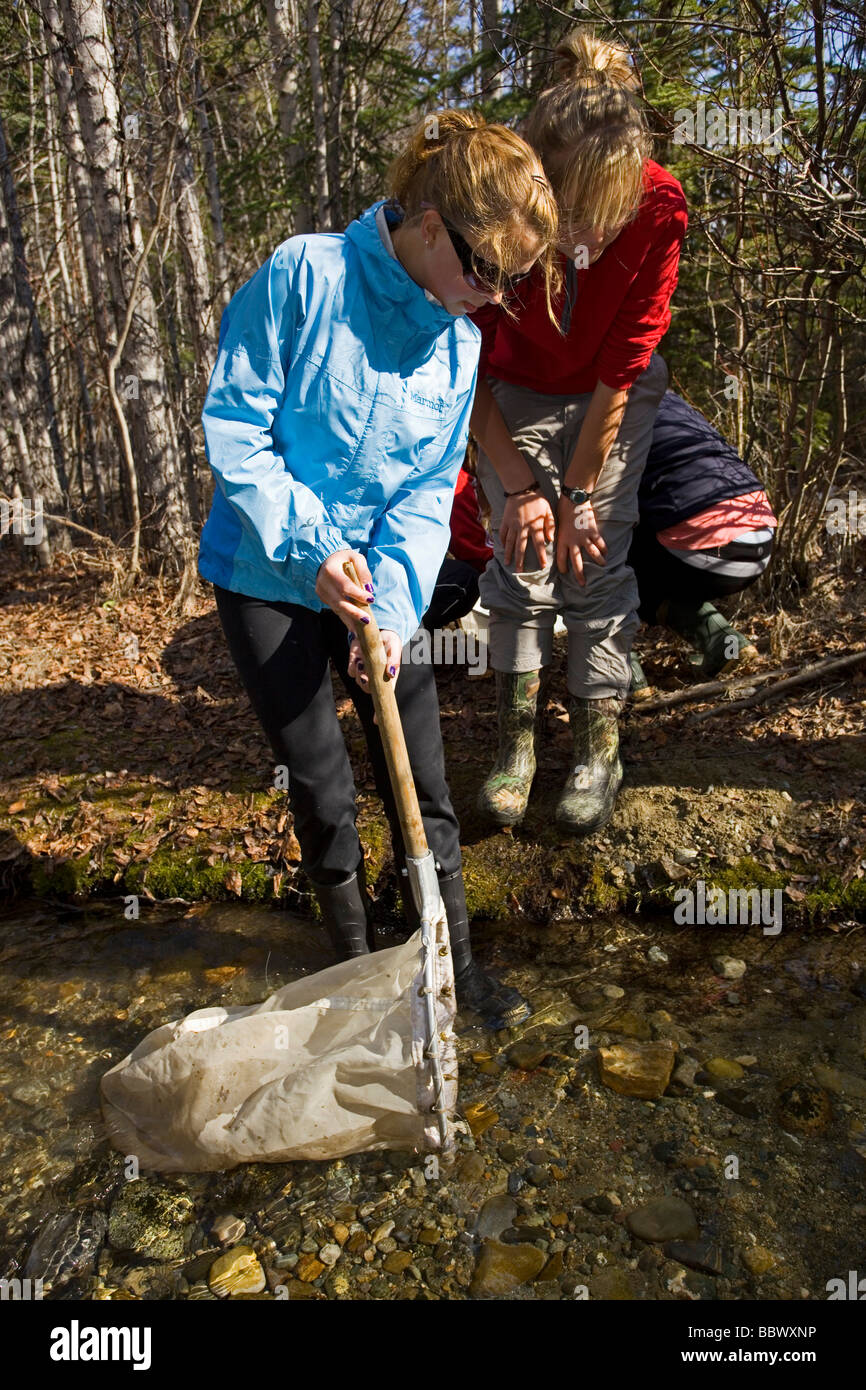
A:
(25, 366)
(198, 288)
(337, 27)
(320, 137)
(148, 435)
(218, 238)
(27, 492)
(284, 29)
(352, 149)
(492, 39)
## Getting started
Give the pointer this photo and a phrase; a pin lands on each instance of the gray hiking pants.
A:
(601, 617)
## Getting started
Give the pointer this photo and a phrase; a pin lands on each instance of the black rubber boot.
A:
(499, 1005)
(345, 912)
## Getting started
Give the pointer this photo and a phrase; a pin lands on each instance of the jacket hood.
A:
(409, 320)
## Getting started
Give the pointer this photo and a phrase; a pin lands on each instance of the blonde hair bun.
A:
(581, 57)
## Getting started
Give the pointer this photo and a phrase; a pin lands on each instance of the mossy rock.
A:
(76, 877)
(150, 1219)
(186, 874)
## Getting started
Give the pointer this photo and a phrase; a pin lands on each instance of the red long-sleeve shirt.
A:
(620, 310)
(468, 538)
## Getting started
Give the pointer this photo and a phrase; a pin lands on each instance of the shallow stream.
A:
(770, 1073)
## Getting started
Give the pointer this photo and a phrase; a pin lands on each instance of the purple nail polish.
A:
(365, 621)
(369, 588)
(393, 670)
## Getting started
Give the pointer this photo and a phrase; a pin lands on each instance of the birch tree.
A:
(285, 36)
(117, 272)
(30, 416)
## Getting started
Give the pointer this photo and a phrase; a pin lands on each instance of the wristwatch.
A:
(577, 495)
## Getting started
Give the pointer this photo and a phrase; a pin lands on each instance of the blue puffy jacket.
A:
(337, 416)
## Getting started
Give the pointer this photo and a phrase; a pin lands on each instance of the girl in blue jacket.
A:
(335, 422)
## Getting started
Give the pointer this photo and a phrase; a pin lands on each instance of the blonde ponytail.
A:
(582, 58)
(406, 174)
(591, 134)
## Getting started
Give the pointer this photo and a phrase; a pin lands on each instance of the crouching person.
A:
(706, 532)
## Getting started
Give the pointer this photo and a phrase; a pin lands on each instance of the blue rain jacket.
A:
(337, 416)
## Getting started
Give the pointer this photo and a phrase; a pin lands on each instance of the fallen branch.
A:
(85, 531)
(804, 677)
(706, 688)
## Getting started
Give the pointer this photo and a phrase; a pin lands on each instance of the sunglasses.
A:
(480, 274)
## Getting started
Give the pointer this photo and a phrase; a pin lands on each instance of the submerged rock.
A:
(631, 1025)
(309, 1267)
(758, 1260)
(805, 1109)
(612, 1284)
(526, 1056)
(736, 1098)
(729, 967)
(236, 1272)
(471, 1168)
(638, 1069)
(496, 1215)
(227, 1228)
(502, 1268)
(664, 1219)
(67, 1245)
(479, 1117)
(841, 1083)
(697, 1254)
(723, 1069)
(397, 1261)
(151, 1220)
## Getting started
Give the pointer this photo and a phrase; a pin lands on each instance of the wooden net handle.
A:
(391, 731)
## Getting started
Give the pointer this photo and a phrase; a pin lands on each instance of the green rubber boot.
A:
(590, 792)
(717, 646)
(640, 688)
(505, 792)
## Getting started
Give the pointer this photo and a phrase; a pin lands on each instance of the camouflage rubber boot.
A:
(504, 794)
(717, 646)
(589, 795)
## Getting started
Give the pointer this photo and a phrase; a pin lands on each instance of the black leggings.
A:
(283, 653)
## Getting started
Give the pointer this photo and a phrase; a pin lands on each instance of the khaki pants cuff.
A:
(519, 647)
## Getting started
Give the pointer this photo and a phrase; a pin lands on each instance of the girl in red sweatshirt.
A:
(564, 420)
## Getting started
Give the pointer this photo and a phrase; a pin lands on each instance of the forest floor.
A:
(157, 872)
(132, 764)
